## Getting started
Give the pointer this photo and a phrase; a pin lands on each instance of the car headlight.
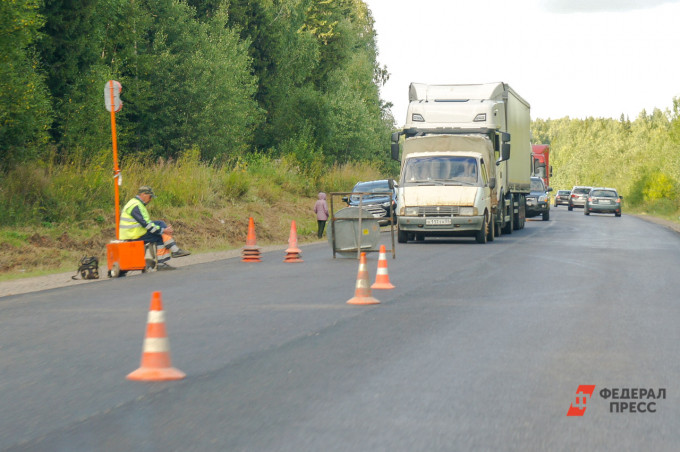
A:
(467, 211)
(411, 211)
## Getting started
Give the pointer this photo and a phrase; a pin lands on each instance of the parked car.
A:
(382, 204)
(577, 197)
(562, 198)
(603, 200)
(538, 201)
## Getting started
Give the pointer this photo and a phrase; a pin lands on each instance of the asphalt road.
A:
(479, 347)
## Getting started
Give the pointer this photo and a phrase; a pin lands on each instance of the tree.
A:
(25, 112)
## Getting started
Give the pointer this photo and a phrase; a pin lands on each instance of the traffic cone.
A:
(156, 364)
(362, 294)
(251, 252)
(382, 279)
(293, 252)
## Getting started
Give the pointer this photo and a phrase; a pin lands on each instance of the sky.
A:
(575, 58)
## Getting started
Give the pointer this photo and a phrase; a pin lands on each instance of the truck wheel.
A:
(483, 232)
(506, 227)
(546, 216)
(402, 237)
(492, 229)
(570, 208)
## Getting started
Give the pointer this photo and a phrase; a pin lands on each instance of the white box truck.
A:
(465, 162)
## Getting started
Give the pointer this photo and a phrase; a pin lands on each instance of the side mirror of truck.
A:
(395, 151)
(549, 189)
(505, 153)
(492, 183)
(390, 183)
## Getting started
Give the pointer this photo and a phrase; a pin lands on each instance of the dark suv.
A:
(538, 201)
(578, 197)
(562, 198)
(382, 204)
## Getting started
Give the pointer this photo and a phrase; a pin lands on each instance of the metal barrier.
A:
(348, 228)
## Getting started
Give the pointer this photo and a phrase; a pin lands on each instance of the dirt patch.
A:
(672, 225)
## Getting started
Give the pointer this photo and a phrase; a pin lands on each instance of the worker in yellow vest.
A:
(135, 224)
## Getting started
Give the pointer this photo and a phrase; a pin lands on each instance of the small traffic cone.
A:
(156, 365)
(293, 252)
(382, 278)
(362, 294)
(251, 252)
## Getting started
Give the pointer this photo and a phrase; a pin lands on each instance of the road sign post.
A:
(113, 104)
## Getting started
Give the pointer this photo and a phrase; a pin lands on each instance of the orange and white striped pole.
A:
(362, 293)
(382, 278)
(156, 365)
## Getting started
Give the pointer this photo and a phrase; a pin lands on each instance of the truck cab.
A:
(446, 188)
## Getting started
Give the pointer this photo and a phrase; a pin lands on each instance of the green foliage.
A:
(640, 158)
(25, 112)
(229, 78)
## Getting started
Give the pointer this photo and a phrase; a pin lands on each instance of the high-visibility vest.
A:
(130, 229)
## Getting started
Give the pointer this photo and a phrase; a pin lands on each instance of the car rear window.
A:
(603, 194)
(581, 191)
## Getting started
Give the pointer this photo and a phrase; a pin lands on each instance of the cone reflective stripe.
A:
(156, 364)
(362, 294)
(382, 278)
(293, 252)
(251, 252)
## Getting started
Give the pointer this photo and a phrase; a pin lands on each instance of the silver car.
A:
(603, 200)
(578, 197)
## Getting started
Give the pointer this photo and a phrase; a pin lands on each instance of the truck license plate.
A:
(432, 221)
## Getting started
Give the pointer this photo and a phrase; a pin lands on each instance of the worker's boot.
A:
(180, 253)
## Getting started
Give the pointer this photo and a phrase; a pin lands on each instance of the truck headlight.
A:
(417, 117)
(386, 205)
(467, 211)
(542, 198)
(411, 211)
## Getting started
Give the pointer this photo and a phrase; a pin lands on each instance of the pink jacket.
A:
(321, 208)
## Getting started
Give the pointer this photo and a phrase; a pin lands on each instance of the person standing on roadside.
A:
(135, 224)
(321, 210)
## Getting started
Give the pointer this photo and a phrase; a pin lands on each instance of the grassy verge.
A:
(666, 209)
(64, 212)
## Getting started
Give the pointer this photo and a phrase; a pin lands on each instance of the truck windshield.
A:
(441, 169)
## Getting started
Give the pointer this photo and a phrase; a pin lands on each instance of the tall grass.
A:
(81, 191)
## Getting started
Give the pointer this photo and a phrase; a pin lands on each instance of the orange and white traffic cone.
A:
(251, 252)
(156, 365)
(362, 294)
(293, 252)
(382, 278)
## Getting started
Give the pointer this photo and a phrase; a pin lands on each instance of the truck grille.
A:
(438, 211)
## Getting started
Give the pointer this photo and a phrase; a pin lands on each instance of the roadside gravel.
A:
(35, 284)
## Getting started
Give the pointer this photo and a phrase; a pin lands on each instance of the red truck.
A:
(540, 162)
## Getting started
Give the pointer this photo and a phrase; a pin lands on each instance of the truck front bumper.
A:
(440, 225)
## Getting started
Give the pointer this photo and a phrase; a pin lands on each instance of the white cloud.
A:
(600, 64)
(571, 6)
